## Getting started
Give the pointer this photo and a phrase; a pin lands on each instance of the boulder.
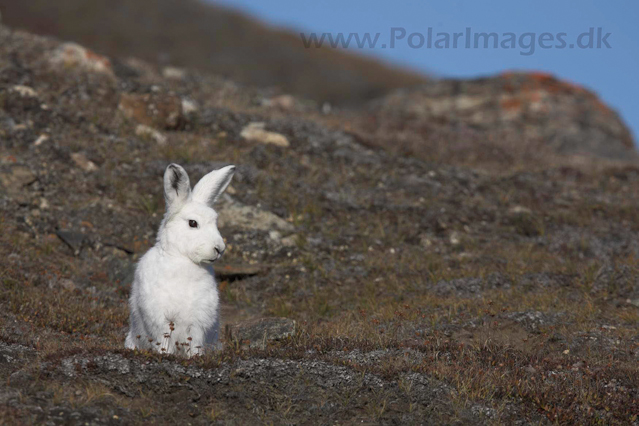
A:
(74, 56)
(518, 108)
(233, 214)
(159, 110)
(256, 132)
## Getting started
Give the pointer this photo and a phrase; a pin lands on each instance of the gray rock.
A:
(16, 177)
(20, 377)
(73, 239)
(533, 321)
(233, 214)
(257, 332)
(469, 287)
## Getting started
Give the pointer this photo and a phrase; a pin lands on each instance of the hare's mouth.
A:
(209, 260)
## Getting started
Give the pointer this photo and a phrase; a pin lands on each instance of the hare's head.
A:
(189, 227)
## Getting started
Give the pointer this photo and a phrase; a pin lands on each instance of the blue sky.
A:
(613, 72)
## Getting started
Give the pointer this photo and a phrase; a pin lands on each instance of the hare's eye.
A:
(192, 223)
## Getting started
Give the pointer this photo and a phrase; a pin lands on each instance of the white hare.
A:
(174, 297)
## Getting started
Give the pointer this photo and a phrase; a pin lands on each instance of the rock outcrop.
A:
(511, 111)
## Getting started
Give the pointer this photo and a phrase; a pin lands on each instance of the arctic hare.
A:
(174, 297)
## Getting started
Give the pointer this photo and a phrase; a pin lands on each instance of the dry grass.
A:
(417, 291)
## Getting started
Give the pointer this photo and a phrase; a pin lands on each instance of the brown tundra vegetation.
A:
(461, 252)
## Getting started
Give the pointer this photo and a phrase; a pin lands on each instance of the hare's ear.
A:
(177, 187)
(211, 186)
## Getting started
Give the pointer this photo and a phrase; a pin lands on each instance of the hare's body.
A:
(174, 298)
(184, 298)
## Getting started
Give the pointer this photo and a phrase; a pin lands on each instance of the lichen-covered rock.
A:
(256, 132)
(74, 56)
(159, 110)
(529, 108)
(233, 214)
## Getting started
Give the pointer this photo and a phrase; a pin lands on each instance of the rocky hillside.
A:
(196, 34)
(373, 273)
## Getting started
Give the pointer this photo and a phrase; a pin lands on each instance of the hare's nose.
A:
(219, 250)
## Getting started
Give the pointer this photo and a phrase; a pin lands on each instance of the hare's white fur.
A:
(174, 297)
